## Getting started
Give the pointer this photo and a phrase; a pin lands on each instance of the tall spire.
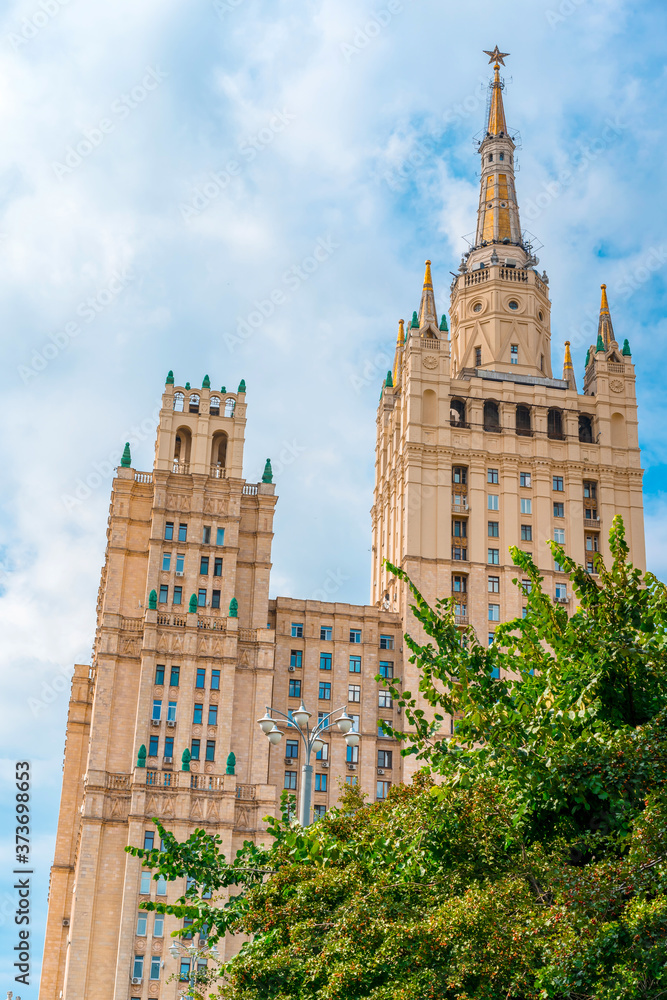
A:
(400, 342)
(427, 314)
(605, 328)
(568, 368)
(497, 124)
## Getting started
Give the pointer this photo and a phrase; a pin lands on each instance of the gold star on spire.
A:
(496, 56)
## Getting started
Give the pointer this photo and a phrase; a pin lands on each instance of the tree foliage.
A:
(527, 858)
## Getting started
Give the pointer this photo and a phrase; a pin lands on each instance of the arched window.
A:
(523, 425)
(214, 406)
(555, 424)
(619, 435)
(457, 413)
(219, 451)
(429, 407)
(178, 401)
(491, 416)
(182, 446)
(585, 429)
(230, 406)
(194, 403)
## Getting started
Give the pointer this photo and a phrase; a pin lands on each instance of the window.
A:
(459, 529)
(201, 597)
(559, 510)
(383, 790)
(201, 677)
(149, 840)
(178, 595)
(290, 780)
(145, 883)
(354, 692)
(321, 782)
(492, 476)
(197, 715)
(210, 749)
(325, 661)
(164, 593)
(514, 354)
(355, 723)
(220, 536)
(158, 925)
(491, 416)
(174, 676)
(494, 584)
(524, 479)
(157, 710)
(206, 534)
(527, 586)
(590, 491)
(460, 474)
(171, 711)
(490, 643)
(215, 599)
(159, 674)
(142, 920)
(355, 664)
(501, 156)
(294, 689)
(153, 742)
(297, 630)
(381, 731)
(559, 535)
(180, 562)
(385, 700)
(182, 532)
(355, 635)
(557, 566)
(184, 971)
(494, 612)
(215, 680)
(585, 429)
(492, 502)
(478, 357)
(325, 691)
(495, 671)
(169, 531)
(295, 658)
(561, 592)
(138, 967)
(494, 529)
(319, 811)
(326, 633)
(352, 755)
(161, 886)
(386, 642)
(526, 532)
(526, 505)
(384, 759)
(459, 584)
(522, 420)
(195, 749)
(292, 748)
(459, 553)
(350, 779)
(323, 752)
(187, 922)
(524, 612)
(558, 484)
(212, 715)
(386, 669)
(169, 747)
(591, 543)
(203, 566)
(513, 304)
(155, 966)
(217, 566)
(166, 561)
(493, 557)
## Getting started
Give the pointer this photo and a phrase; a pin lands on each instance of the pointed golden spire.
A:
(400, 343)
(428, 280)
(427, 314)
(605, 326)
(497, 123)
(568, 368)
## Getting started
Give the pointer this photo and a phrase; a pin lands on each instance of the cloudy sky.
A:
(165, 166)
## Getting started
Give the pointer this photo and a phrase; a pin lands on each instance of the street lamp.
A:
(311, 741)
(179, 950)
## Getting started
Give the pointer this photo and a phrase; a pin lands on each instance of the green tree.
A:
(525, 861)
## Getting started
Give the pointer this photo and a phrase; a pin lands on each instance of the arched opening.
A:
(523, 425)
(178, 401)
(619, 436)
(219, 450)
(555, 424)
(585, 429)
(230, 406)
(194, 403)
(429, 407)
(491, 416)
(214, 406)
(457, 413)
(182, 447)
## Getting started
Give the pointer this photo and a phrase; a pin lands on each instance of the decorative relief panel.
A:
(213, 505)
(129, 647)
(430, 362)
(116, 807)
(616, 385)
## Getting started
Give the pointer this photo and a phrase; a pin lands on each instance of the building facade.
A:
(478, 448)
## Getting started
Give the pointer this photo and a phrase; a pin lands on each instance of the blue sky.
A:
(165, 166)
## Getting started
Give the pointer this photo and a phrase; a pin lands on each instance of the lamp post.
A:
(311, 741)
(178, 950)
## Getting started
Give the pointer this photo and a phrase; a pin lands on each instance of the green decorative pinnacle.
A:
(588, 358)
(241, 387)
(600, 344)
(231, 764)
(206, 384)
(170, 378)
(443, 324)
(185, 760)
(223, 388)
(192, 608)
(126, 460)
(152, 600)
(626, 349)
(267, 476)
(389, 382)
(414, 322)
(141, 756)
(187, 385)
(233, 608)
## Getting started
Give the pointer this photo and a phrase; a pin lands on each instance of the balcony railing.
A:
(460, 502)
(512, 274)
(591, 522)
(461, 619)
(218, 472)
(181, 468)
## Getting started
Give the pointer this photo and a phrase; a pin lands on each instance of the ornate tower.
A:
(479, 447)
